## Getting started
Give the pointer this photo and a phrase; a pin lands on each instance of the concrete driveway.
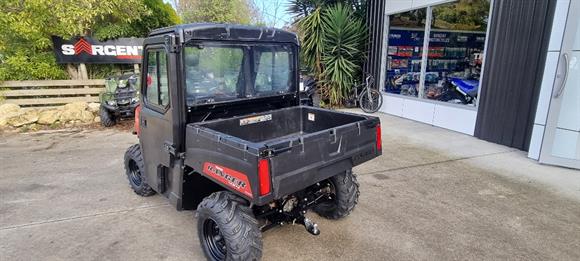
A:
(433, 195)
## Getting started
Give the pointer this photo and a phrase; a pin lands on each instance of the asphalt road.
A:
(64, 196)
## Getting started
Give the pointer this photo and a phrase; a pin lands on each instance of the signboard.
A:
(439, 38)
(88, 50)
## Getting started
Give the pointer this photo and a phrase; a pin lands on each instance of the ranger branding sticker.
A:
(255, 119)
(229, 177)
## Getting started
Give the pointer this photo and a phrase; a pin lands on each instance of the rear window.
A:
(213, 73)
(218, 73)
(272, 70)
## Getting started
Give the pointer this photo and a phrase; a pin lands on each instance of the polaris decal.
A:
(231, 178)
(87, 50)
(255, 119)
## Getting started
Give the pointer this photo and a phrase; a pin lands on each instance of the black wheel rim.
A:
(135, 174)
(214, 240)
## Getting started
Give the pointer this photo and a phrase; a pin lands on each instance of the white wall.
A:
(548, 79)
(456, 118)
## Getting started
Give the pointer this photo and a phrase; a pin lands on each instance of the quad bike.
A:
(247, 157)
(119, 99)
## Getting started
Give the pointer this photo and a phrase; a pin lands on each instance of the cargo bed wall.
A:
(282, 123)
(226, 161)
(304, 145)
(322, 155)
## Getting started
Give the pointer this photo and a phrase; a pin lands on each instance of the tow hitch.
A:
(292, 209)
(311, 227)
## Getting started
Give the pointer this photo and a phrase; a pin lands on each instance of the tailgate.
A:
(310, 158)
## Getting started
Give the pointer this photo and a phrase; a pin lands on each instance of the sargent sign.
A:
(88, 50)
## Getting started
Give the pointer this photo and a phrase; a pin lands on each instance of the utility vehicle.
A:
(221, 130)
(119, 99)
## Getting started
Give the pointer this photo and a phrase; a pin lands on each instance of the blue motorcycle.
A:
(462, 90)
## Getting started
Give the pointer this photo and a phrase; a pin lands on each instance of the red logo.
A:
(83, 46)
(231, 178)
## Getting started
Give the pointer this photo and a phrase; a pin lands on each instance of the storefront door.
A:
(561, 144)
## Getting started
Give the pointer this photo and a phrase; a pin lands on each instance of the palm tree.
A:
(332, 34)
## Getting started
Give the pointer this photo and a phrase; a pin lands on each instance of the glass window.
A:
(405, 44)
(152, 91)
(454, 57)
(213, 73)
(272, 70)
(456, 46)
(157, 92)
(163, 81)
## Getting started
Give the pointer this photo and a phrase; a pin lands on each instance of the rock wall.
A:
(77, 113)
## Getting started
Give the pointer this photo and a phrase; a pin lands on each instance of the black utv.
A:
(221, 131)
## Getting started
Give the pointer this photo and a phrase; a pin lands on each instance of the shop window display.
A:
(456, 45)
(404, 52)
(455, 53)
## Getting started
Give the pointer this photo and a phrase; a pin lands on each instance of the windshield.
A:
(217, 73)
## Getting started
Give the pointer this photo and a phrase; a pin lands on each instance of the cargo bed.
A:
(303, 145)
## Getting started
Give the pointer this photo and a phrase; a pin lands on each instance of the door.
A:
(562, 137)
(156, 116)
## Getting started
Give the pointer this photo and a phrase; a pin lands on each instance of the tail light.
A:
(264, 176)
(137, 114)
(379, 141)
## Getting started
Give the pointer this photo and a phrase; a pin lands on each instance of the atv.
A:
(222, 131)
(119, 99)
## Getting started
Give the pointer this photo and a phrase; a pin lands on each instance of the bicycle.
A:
(368, 99)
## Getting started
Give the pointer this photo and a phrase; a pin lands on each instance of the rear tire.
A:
(227, 228)
(344, 196)
(107, 119)
(135, 170)
(372, 105)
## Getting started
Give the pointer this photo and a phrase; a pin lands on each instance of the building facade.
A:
(505, 71)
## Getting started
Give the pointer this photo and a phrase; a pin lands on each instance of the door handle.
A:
(563, 84)
(144, 123)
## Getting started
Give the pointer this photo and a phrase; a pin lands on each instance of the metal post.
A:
(425, 56)
(384, 57)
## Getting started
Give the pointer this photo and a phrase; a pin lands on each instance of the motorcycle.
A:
(309, 95)
(459, 90)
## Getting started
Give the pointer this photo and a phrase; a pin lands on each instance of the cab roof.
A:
(227, 32)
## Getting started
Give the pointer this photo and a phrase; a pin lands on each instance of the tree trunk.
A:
(72, 71)
(83, 74)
